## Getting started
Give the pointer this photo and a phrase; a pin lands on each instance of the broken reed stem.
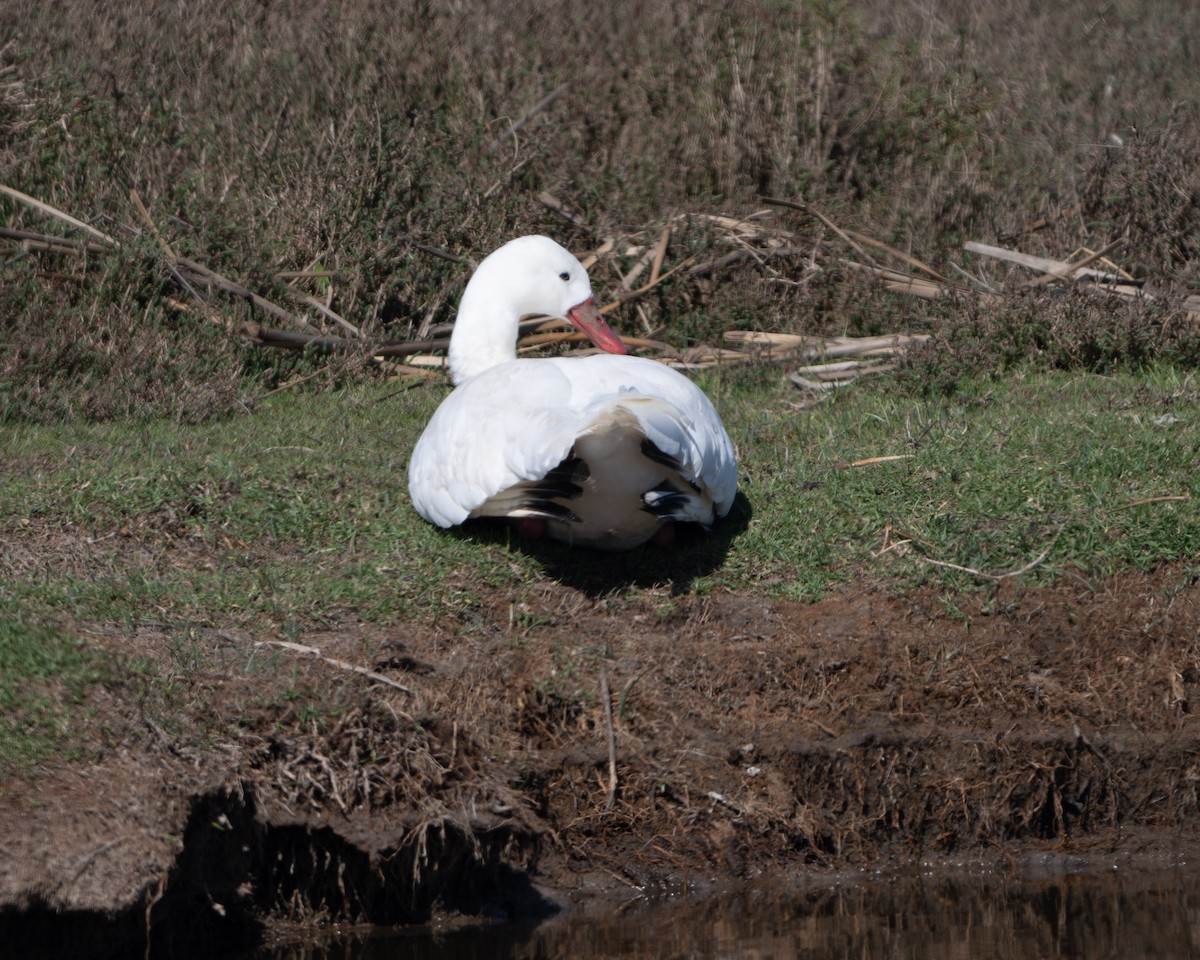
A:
(1171, 498)
(55, 212)
(291, 340)
(292, 383)
(176, 264)
(207, 275)
(326, 312)
(974, 281)
(627, 295)
(528, 115)
(638, 268)
(145, 214)
(870, 461)
(548, 199)
(317, 654)
(589, 260)
(43, 241)
(813, 211)
(901, 283)
(660, 254)
(606, 696)
(573, 336)
(433, 251)
(898, 254)
(172, 259)
(1044, 264)
(1069, 272)
(720, 263)
(983, 574)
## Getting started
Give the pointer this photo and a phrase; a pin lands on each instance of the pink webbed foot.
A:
(531, 528)
(664, 536)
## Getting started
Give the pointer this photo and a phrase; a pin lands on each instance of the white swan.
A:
(603, 451)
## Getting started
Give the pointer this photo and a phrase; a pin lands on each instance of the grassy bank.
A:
(296, 518)
(275, 516)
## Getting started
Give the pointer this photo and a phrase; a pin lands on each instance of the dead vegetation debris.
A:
(757, 238)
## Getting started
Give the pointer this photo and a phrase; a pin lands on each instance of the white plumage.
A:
(605, 449)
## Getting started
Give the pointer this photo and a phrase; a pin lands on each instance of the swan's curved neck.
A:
(485, 333)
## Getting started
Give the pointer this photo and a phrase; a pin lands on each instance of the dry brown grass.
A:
(289, 137)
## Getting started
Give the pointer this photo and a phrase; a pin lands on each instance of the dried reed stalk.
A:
(528, 115)
(58, 214)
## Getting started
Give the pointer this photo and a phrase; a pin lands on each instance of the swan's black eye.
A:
(564, 276)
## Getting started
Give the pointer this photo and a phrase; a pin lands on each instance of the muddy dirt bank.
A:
(750, 736)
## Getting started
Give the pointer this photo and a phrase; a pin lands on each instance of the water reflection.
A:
(1125, 913)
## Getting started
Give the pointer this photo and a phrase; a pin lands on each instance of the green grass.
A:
(1037, 461)
(301, 511)
(44, 673)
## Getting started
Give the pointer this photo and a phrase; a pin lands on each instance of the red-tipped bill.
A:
(586, 318)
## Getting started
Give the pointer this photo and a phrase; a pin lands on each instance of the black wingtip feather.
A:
(664, 500)
(651, 451)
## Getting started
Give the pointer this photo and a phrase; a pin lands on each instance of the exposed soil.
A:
(752, 737)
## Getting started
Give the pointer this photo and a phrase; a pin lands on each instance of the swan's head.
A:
(526, 276)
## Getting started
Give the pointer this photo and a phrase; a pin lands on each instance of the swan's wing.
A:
(517, 422)
(511, 424)
(674, 414)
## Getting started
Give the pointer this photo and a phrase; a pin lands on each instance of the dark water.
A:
(1092, 915)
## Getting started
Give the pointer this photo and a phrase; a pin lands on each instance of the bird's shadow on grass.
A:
(695, 553)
